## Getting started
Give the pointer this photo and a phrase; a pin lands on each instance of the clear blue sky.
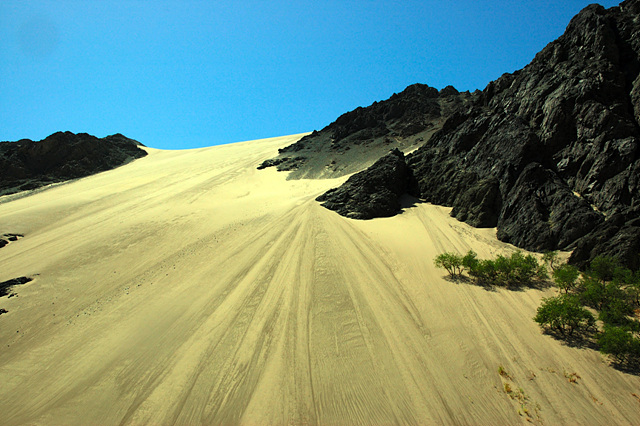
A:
(192, 73)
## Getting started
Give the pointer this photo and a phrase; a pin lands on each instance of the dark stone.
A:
(7, 285)
(7, 238)
(480, 204)
(542, 213)
(62, 156)
(272, 162)
(610, 239)
(373, 194)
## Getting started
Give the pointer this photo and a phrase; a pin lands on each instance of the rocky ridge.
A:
(62, 156)
(359, 137)
(549, 154)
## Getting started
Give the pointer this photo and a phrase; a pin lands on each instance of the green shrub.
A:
(451, 262)
(616, 312)
(592, 291)
(484, 272)
(527, 268)
(517, 270)
(604, 296)
(619, 343)
(566, 277)
(564, 314)
(603, 268)
(470, 261)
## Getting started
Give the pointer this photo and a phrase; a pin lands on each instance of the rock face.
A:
(549, 154)
(62, 156)
(376, 192)
(359, 137)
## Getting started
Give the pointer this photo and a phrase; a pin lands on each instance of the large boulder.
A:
(375, 192)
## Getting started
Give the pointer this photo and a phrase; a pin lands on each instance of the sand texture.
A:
(188, 287)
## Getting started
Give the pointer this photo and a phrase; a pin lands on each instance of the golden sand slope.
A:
(190, 288)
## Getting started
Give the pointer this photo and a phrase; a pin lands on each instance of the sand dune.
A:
(190, 288)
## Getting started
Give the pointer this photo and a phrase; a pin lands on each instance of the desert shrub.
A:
(451, 262)
(470, 261)
(564, 314)
(619, 343)
(517, 270)
(592, 291)
(603, 268)
(527, 268)
(566, 277)
(484, 272)
(616, 312)
(610, 289)
(502, 270)
(603, 295)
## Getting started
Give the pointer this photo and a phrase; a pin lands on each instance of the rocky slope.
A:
(549, 154)
(359, 137)
(26, 164)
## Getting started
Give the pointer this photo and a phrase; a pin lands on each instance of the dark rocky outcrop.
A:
(375, 192)
(26, 164)
(283, 164)
(5, 239)
(617, 237)
(359, 137)
(549, 154)
(6, 286)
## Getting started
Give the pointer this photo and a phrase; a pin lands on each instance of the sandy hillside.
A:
(190, 288)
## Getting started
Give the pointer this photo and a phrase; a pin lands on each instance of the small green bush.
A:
(619, 343)
(616, 312)
(602, 295)
(451, 262)
(592, 291)
(633, 290)
(515, 270)
(564, 314)
(512, 271)
(484, 272)
(603, 268)
(566, 277)
(470, 261)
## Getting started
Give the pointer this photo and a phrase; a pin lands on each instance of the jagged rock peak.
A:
(550, 154)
